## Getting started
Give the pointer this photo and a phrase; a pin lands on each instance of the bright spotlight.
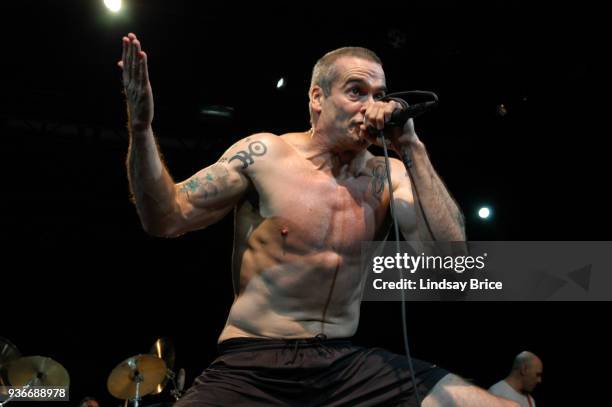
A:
(484, 212)
(113, 5)
(280, 84)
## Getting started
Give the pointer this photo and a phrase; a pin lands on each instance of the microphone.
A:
(400, 116)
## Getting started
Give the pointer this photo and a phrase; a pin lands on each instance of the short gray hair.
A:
(324, 72)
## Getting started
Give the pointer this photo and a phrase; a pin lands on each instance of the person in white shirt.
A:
(526, 374)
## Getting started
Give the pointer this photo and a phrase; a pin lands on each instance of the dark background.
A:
(82, 283)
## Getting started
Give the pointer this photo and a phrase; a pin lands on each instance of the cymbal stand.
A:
(26, 387)
(138, 378)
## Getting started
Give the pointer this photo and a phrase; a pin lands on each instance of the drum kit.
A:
(147, 374)
(130, 380)
(29, 371)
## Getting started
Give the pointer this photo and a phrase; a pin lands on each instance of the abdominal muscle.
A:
(292, 285)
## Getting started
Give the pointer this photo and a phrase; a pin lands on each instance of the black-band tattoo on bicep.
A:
(256, 149)
(378, 180)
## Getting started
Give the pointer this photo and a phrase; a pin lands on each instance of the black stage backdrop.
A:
(80, 281)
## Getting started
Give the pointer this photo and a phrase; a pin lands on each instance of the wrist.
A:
(409, 150)
(412, 144)
(139, 129)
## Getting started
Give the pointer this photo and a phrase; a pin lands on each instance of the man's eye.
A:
(354, 91)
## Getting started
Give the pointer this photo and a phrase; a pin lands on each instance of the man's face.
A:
(358, 83)
(90, 403)
(532, 375)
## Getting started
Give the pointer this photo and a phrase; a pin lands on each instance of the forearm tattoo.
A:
(256, 149)
(406, 158)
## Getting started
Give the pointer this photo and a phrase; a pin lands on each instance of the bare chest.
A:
(315, 210)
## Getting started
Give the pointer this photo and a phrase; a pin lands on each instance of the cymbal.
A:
(122, 381)
(8, 351)
(46, 371)
(163, 349)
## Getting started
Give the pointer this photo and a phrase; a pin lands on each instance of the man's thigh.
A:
(452, 391)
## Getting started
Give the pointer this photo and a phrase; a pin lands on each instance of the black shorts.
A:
(308, 372)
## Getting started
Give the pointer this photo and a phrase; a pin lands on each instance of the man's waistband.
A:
(251, 344)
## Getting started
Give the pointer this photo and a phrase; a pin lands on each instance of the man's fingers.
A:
(124, 43)
(376, 117)
(378, 114)
(137, 62)
(388, 111)
(133, 62)
(127, 63)
(145, 69)
(380, 117)
(139, 70)
(132, 58)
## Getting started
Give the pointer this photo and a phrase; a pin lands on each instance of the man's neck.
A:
(333, 157)
(516, 384)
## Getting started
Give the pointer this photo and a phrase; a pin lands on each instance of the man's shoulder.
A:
(272, 140)
(263, 137)
(258, 144)
(496, 385)
(259, 152)
(501, 388)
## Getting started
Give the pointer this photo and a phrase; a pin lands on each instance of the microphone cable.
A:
(416, 111)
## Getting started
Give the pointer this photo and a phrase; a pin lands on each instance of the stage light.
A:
(484, 212)
(113, 5)
(502, 110)
(281, 83)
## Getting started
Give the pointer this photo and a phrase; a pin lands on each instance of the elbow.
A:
(460, 234)
(160, 229)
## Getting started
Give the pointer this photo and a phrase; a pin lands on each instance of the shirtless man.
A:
(303, 203)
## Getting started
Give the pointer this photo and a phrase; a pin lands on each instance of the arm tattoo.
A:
(210, 190)
(378, 180)
(406, 159)
(191, 186)
(208, 184)
(256, 149)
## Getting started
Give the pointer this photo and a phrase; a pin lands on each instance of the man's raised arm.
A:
(165, 208)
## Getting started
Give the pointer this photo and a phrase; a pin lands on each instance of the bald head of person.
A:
(526, 371)
(89, 402)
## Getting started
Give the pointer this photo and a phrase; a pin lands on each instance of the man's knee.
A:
(453, 391)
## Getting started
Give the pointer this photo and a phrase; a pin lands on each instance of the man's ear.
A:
(316, 98)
